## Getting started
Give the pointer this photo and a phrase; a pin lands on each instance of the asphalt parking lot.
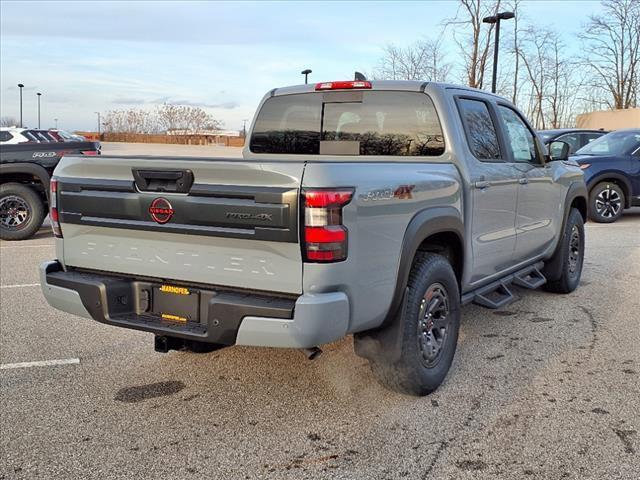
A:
(547, 388)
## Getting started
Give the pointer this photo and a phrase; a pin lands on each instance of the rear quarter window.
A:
(353, 123)
(481, 131)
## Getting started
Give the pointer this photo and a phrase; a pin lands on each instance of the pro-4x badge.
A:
(161, 210)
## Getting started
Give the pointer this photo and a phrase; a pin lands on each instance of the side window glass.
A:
(481, 132)
(573, 139)
(590, 137)
(521, 140)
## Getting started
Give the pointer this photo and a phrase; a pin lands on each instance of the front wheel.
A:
(430, 325)
(570, 255)
(21, 211)
(606, 202)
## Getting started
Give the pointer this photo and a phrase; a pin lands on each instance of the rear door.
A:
(227, 223)
(495, 191)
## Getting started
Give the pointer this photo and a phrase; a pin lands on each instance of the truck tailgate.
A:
(210, 221)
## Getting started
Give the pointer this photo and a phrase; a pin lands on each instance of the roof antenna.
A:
(359, 77)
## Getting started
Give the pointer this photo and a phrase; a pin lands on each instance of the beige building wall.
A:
(610, 120)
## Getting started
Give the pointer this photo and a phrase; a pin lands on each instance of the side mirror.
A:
(559, 150)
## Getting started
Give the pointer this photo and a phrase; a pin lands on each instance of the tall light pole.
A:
(244, 128)
(306, 73)
(39, 95)
(56, 120)
(20, 86)
(496, 19)
(98, 113)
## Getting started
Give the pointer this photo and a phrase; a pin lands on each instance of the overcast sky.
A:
(98, 56)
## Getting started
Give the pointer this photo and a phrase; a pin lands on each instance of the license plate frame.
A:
(176, 304)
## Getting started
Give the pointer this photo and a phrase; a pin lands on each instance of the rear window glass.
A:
(349, 123)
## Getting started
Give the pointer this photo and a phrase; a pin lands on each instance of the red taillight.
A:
(327, 198)
(325, 238)
(90, 153)
(344, 85)
(325, 234)
(53, 208)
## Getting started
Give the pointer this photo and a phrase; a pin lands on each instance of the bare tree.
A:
(422, 60)
(612, 51)
(8, 122)
(130, 121)
(475, 46)
(562, 96)
(533, 55)
(187, 118)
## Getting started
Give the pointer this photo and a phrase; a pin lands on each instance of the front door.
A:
(539, 202)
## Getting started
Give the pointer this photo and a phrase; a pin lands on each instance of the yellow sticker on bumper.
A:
(173, 318)
(174, 289)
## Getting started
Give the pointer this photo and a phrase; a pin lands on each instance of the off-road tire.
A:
(413, 373)
(606, 202)
(22, 195)
(571, 255)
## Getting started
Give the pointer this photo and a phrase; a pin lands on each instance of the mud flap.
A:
(383, 344)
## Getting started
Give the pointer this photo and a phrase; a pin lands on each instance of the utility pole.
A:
(39, 95)
(56, 120)
(20, 86)
(98, 113)
(244, 128)
(496, 19)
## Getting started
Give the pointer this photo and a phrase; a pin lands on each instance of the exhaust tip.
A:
(311, 353)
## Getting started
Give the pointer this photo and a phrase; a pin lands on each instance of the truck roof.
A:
(402, 85)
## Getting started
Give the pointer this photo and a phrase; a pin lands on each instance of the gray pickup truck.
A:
(368, 208)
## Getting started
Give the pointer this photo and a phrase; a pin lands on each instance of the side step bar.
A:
(497, 294)
(532, 279)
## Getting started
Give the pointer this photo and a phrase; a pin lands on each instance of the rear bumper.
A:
(226, 318)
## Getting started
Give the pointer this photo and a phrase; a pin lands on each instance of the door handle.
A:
(482, 184)
(523, 181)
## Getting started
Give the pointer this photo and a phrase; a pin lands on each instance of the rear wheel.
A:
(606, 202)
(431, 321)
(21, 211)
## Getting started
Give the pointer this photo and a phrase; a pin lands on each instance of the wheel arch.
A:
(439, 230)
(577, 197)
(10, 172)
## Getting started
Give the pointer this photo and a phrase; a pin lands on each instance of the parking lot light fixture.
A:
(496, 19)
(20, 86)
(39, 95)
(306, 73)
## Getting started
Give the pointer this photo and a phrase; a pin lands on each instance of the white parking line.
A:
(611, 226)
(43, 363)
(24, 285)
(27, 246)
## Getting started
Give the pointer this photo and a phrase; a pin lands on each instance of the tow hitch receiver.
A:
(163, 343)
